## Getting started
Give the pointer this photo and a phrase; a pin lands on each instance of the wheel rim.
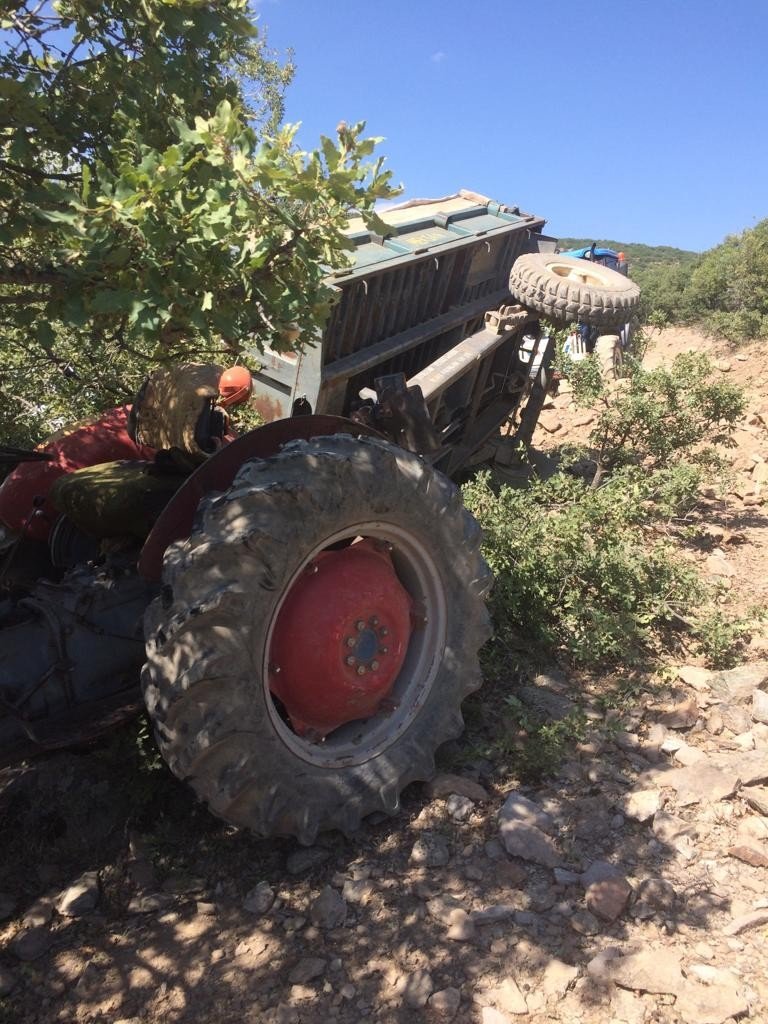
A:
(575, 273)
(400, 683)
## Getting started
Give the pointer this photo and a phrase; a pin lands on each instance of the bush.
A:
(586, 567)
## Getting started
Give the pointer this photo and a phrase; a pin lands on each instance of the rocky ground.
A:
(630, 887)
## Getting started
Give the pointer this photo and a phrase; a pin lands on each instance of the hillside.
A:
(640, 256)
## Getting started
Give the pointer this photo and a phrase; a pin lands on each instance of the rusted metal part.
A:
(175, 521)
(270, 409)
(402, 415)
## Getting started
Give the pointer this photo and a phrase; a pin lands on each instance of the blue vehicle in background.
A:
(587, 339)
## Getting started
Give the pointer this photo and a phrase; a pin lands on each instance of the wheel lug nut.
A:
(350, 641)
(274, 669)
(384, 631)
(361, 670)
(374, 666)
(359, 625)
(350, 660)
(374, 621)
(383, 650)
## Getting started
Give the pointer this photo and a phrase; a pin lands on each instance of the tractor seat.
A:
(116, 499)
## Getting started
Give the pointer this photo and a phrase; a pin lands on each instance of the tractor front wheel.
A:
(316, 636)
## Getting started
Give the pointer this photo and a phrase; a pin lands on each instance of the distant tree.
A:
(152, 208)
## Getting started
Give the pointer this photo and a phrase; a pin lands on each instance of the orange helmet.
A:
(235, 386)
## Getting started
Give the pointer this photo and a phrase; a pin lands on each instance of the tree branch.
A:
(36, 175)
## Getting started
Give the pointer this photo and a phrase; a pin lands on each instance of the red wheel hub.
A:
(340, 638)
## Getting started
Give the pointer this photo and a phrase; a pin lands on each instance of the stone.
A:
(687, 756)
(760, 706)
(490, 1015)
(303, 860)
(260, 899)
(529, 843)
(459, 807)
(565, 877)
(557, 978)
(626, 1007)
(494, 914)
(699, 678)
(675, 832)
(608, 899)
(445, 785)
(517, 807)
(746, 921)
(461, 927)
(584, 922)
(431, 851)
(307, 969)
(757, 797)
(80, 898)
(442, 907)
(735, 718)
(715, 723)
(149, 903)
(358, 891)
(647, 971)
(749, 855)
(600, 871)
(39, 913)
(546, 703)
(711, 1003)
(682, 716)
(657, 893)
(739, 683)
(417, 989)
(641, 804)
(508, 998)
(7, 981)
(598, 968)
(30, 943)
(445, 1003)
(329, 909)
(348, 991)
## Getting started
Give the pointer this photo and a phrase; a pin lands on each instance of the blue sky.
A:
(641, 121)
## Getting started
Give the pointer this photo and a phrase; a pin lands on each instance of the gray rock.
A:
(687, 756)
(646, 971)
(329, 910)
(303, 860)
(39, 913)
(459, 807)
(735, 718)
(757, 797)
(760, 706)
(608, 898)
(494, 914)
(545, 702)
(599, 966)
(565, 877)
(417, 989)
(557, 978)
(7, 981)
(30, 943)
(307, 969)
(641, 804)
(746, 921)
(149, 903)
(442, 907)
(260, 899)
(461, 927)
(738, 683)
(716, 780)
(657, 893)
(445, 785)
(600, 871)
(699, 678)
(445, 1003)
(517, 807)
(584, 922)
(80, 898)
(358, 890)
(681, 716)
(530, 843)
(712, 1003)
(490, 1015)
(431, 851)
(508, 998)
(7, 905)
(494, 850)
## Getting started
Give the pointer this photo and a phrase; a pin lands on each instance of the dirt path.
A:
(631, 888)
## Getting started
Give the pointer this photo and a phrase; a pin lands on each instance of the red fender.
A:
(218, 472)
(24, 504)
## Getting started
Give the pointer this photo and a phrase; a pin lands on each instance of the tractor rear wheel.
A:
(316, 636)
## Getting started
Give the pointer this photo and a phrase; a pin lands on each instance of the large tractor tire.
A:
(610, 357)
(316, 636)
(567, 290)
